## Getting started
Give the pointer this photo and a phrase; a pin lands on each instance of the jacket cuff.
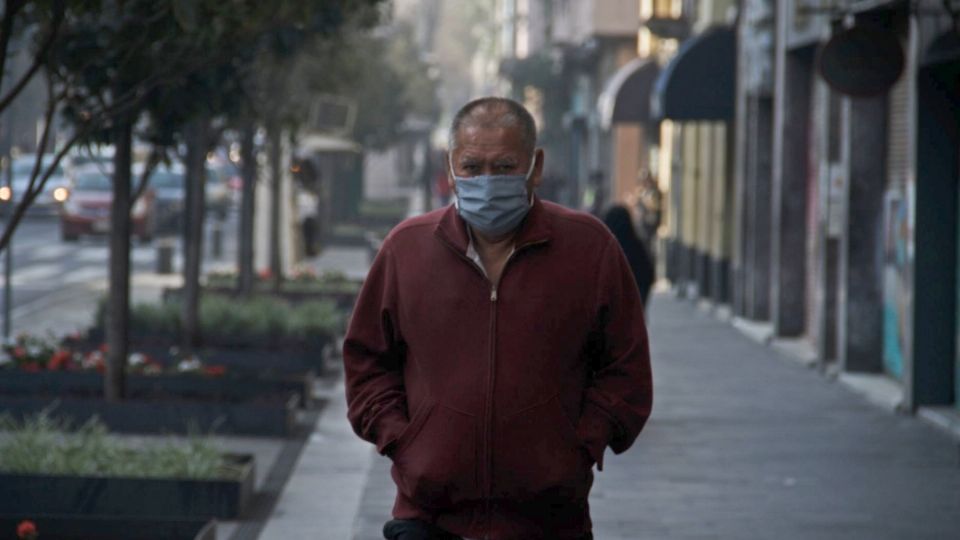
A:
(594, 431)
(387, 428)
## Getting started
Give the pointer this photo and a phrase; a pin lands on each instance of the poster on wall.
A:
(896, 300)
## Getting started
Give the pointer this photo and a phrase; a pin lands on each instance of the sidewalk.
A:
(743, 443)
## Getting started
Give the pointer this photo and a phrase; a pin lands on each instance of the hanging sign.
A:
(862, 61)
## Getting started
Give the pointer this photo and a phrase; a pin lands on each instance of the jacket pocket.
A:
(435, 461)
(537, 455)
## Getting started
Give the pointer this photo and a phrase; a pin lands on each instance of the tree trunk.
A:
(276, 187)
(247, 204)
(196, 135)
(118, 307)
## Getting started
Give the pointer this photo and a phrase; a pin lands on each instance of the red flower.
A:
(19, 352)
(27, 530)
(31, 367)
(60, 360)
(104, 348)
(265, 274)
(214, 371)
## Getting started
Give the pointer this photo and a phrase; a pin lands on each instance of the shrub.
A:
(234, 322)
(44, 445)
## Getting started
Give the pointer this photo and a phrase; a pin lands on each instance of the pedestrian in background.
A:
(497, 348)
(618, 220)
(649, 208)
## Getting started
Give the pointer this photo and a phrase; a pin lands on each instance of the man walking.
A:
(497, 348)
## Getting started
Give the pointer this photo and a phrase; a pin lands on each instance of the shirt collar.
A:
(474, 255)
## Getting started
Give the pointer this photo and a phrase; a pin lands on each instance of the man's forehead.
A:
(486, 134)
(466, 154)
(489, 143)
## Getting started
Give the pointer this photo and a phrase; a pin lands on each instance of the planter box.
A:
(272, 418)
(52, 527)
(27, 494)
(239, 360)
(228, 388)
(343, 299)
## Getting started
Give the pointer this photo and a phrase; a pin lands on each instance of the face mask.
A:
(493, 204)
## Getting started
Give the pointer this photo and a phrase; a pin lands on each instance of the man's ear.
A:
(536, 177)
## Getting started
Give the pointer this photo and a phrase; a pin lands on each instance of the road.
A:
(52, 280)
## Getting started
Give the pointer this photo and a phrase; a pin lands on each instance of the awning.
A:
(626, 96)
(699, 82)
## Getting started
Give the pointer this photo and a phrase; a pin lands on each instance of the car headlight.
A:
(61, 194)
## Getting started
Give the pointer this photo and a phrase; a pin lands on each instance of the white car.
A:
(54, 191)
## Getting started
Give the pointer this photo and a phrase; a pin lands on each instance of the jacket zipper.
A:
(488, 411)
(487, 487)
(491, 379)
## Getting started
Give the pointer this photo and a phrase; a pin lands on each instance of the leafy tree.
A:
(164, 56)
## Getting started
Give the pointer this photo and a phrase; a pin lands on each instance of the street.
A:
(49, 273)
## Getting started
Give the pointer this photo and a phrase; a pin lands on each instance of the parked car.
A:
(82, 156)
(86, 210)
(219, 194)
(168, 183)
(54, 191)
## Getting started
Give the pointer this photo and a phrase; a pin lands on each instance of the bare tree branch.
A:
(152, 162)
(24, 203)
(37, 59)
(52, 101)
(6, 30)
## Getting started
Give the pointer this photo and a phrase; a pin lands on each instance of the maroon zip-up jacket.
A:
(494, 403)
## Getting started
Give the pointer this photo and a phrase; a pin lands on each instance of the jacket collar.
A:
(535, 229)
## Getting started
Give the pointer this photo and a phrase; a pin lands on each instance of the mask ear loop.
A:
(533, 165)
(456, 194)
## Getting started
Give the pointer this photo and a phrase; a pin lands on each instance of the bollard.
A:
(216, 241)
(165, 248)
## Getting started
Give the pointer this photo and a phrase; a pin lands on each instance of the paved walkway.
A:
(743, 444)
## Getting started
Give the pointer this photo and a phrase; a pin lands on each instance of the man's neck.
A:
(494, 246)
(493, 253)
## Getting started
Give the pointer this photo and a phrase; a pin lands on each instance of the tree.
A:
(119, 56)
(280, 94)
(36, 25)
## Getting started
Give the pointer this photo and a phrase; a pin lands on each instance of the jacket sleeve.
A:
(373, 359)
(618, 400)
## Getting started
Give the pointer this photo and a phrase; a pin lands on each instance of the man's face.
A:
(493, 151)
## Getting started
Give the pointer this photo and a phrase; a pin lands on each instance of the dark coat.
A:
(619, 222)
(495, 403)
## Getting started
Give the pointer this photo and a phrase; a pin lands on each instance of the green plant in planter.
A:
(314, 321)
(261, 321)
(147, 320)
(257, 321)
(42, 444)
(30, 352)
(304, 280)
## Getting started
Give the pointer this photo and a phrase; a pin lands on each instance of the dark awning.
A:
(699, 82)
(626, 96)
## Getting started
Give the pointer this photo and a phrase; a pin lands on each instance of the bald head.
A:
(495, 113)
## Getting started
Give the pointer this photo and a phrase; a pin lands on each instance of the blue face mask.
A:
(493, 204)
